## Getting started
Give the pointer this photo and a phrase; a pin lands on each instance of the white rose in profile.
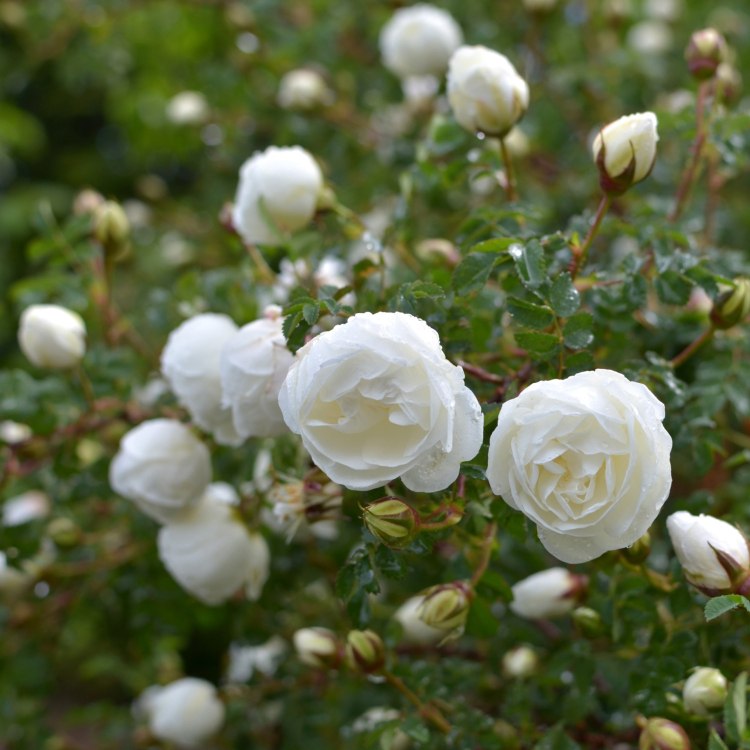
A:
(485, 91)
(415, 629)
(277, 194)
(162, 467)
(190, 363)
(254, 363)
(375, 399)
(210, 552)
(52, 336)
(303, 89)
(419, 40)
(550, 593)
(186, 712)
(586, 459)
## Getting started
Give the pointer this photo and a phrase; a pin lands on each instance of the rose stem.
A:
(264, 270)
(86, 387)
(692, 348)
(580, 253)
(487, 542)
(688, 176)
(430, 713)
(510, 178)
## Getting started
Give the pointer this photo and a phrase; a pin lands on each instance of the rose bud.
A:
(520, 662)
(87, 202)
(277, 194)
(318, 647)
(52, 336)
(704, 691)
(111, 227)
(414, 629)
(714, 554)
(732, 306)
(549, 593)
(706, 49)
(186, 712)
(485, 91)
(588, 621)
(304, 90)
(727, 84)
(625, 151)
(638, 551)
(419, 40)
(662, 734)
(391, 521)
(365, 651)
(445, 607)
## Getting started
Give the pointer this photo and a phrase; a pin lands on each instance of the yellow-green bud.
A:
(705, 51)
(727, 84)
(365, 651)
(732, 306)
(111, 227)
(64, 532)
(446, 607)
(662, 734)
(588, 621)
(704, 691)
(391, 521)
(638, 551)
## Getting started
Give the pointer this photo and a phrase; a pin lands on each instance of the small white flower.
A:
(303, 89)
(520, 662)
(702, 543)
(14, 432)
(190, 363)
(244, 661)
(419, 40)
(549, 593)
(28, 506)
(586, 459)
(375, 399)
(650, 38)
(704, 691)
(254, 363)
(162, 467)
(187, 712)
(211, 553)
(52, 336)
(485, 91)
(277, 194)
(187, 108)
(415, 630)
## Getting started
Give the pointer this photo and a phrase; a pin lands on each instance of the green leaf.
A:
(472, 272)
(415, 728)
(556, 739)
(735, 709)
(563, 296)
(673, 288)
(715, 742)
(537, 343)
(530, 263)
(721, 604)
(530, 315)
(311, 312)
(495, 245)
(577, 333)
(481, 622)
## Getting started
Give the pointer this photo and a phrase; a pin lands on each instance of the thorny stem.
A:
(692, 348)
(453, 514)
(429, 712)
(688, 176)
(486, 550)
(580, 253)
(510, 178)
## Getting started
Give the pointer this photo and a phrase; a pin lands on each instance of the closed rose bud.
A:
(520, 662)
(303, 89)
(111, 227)
(706, 49)
(162, 467)
(391, 521)
(485, 91)
(64, 532)
(713, 554)
(727, 84)
(415, 630)
(732, 306)
(365, 651)
(419, 41)
(52, 336)
(445, 607)
(549, 593)
(277, 194)
(187, 712)
(658, 733)
(625, 151)
(704, 691)
(318, 647)
(637, 552)
(588, 621)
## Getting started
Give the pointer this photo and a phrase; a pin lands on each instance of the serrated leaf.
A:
(673, 288)
(719, 605)
(530, 315)
(577, 333)
(530, 263)
(310, 312)
(415, 728)
(735, 709)
(537, 343)
(495, 245)
(564, 298)
(472, 272)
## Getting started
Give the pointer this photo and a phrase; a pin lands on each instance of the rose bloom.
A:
(586, 459)
(485, 91)
(550, 593)
(277, 194)
(419, 40)
(375, 399)
(190, 362)
(52, 336)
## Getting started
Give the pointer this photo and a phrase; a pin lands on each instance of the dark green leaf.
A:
(563, 296)
(556, 739)
(673, 288)
(715, 742)
(577, 332)
(310, 313)
(537, 343)
(530, 263)
(495, 245)
(481, 622)
(472, 272)
(415, 728)
(530, 315)
(735, 709)
(721, 604)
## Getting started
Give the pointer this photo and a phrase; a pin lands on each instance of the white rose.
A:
(186, 712)
(303, 89)
(485, 91)
(254, 363)
(625, 151)
(277, 194)
(704, 691)
(549, 593)
(701, 542)
(419, 40)
(187, 108)
(52, 336)
(317, 647)
(375, 399)
(211, 553)
(190, 363)
(520, 662)
(162, 467)
(586, 459)
(28, 506)
(415, 630)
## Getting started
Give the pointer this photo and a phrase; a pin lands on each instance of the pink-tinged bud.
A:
(445, 607)
(658, 733)
(318, 647)
(705, 51)
(365, 651)
(549, 593)
(391, 521)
